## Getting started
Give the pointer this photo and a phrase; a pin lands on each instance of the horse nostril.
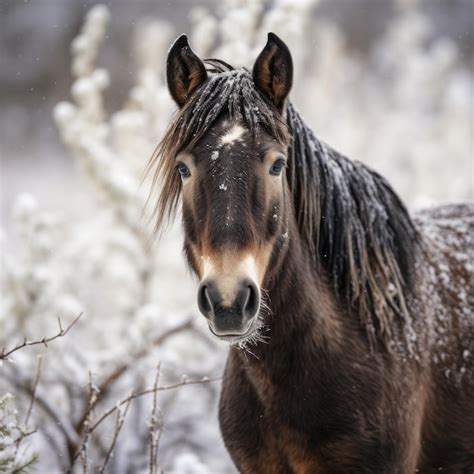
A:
(245, 305)
(205, 303)
(248, 300)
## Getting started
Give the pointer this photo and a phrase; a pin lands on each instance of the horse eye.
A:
(277, 167)
(183, 170)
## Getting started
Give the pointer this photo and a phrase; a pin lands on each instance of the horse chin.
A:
(238, 339)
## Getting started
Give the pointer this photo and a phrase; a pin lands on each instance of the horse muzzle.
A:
(229, 317)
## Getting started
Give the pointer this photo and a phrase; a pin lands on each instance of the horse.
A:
(349, 320)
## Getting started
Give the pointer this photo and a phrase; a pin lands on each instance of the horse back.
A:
(447, 296)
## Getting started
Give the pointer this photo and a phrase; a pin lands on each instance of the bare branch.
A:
(60, 325)
(62, 423)
(84, 459)
(82, 450)
(155, 425)
(35, 387)
(118, 426)
(87, 424)
(32, 402)
(25, 435)
(204, 380)
(62, 332)
(105, 385)
(187, 324)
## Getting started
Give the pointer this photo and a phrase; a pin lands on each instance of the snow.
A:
(448, 237)
(406, 118)
(234, 133)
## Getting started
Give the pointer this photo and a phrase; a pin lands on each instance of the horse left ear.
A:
(184, 71)
(273, 71)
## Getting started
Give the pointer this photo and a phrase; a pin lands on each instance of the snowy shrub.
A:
(403, 109)
(12, 457)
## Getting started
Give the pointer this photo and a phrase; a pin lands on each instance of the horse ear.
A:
(273, 71)
(184, 71)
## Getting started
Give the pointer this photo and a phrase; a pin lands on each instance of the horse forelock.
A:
(226, 92)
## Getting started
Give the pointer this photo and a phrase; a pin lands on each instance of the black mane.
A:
(355, 223)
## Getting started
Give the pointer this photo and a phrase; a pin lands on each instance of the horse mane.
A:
(350, 217)
(351, 220)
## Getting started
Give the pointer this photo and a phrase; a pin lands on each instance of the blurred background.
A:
(83, 103)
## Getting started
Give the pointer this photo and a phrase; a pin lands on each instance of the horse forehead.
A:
(228, 133)
(229, 147)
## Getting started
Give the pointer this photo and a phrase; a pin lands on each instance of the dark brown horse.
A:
(349, 321)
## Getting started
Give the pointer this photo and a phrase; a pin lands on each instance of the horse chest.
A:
(286, 404)
(293, 447)
(297, 419)
(296, 452)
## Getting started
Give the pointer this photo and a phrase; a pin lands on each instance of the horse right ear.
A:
(273, 71)
(184, 71)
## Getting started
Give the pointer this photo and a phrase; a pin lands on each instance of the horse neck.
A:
(303, 312)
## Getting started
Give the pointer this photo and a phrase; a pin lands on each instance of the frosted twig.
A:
(62, 423)
(25, 435)
(62, 332)
(87, 424)
(32, 402)
(84, 459)
(118, 426)
(155, 425)
(187, 324)
(89, 428)
(111, 410)
(104, 386)
(35, 386)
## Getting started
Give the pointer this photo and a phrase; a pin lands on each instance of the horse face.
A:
(234, 211)
(234, 192)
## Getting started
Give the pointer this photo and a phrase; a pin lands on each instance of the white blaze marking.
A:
(233, 134)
